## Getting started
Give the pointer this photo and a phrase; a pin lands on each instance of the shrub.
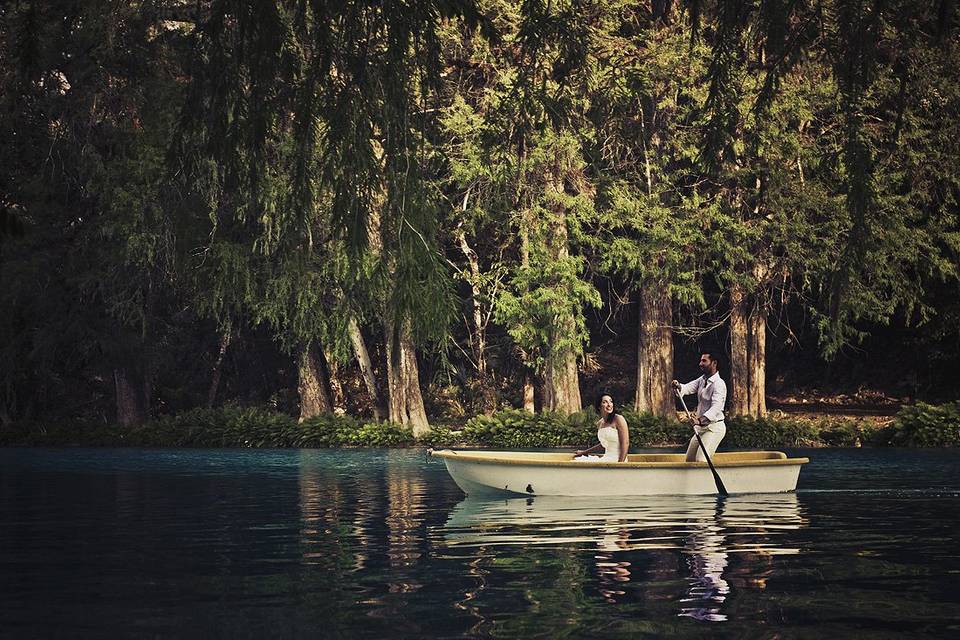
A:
(379, 434)
(344, 431)
(648, 430)
(920, 425)
(844, 433)
(326, 430)
(745, 432)
(516, 429)
(440, 436)
(926, 425)
(228, 426)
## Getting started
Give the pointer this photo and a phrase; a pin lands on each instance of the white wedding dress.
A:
(610, 439)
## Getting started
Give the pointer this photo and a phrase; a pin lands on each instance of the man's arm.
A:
(691, 387)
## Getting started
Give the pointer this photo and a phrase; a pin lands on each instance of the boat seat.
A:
(732, 456)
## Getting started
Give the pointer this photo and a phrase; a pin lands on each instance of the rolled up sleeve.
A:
(691, 387)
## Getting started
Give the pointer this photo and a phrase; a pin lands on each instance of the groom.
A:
(711, 393)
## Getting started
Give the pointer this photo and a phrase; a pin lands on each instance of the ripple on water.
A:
(381, 543)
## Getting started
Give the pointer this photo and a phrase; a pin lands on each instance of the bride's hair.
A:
(596, 405)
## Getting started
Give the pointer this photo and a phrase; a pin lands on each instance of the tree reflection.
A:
(405, 494)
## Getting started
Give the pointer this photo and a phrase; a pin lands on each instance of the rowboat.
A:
(557, 474)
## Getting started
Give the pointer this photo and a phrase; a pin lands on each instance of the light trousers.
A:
(711, 435)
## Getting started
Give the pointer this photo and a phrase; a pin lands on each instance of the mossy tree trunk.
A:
(403, 380)
(313, 386)
(225, 339)
(131, 407)
(655, 350)
(560, 376)
(748, 326)
(366, 370)
(757, 360)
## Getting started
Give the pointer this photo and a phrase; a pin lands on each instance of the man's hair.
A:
(712, 354)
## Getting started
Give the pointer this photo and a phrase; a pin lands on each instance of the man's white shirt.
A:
(711, 396)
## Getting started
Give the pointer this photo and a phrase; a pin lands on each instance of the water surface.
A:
(381, 543)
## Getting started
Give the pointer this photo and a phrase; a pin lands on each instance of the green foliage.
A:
(926, 425)
(267, 171)
(89, 101)
(921, 425)
(846, 433)
(439, 436)
(517, 429)
(767, 433)
(648, 430)
(229, 426)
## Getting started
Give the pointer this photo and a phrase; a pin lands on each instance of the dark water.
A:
(371, 544)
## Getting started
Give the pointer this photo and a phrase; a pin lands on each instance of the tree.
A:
(512, 148)
(888, 61)
(331, 103)
(644, 91)
(90, 95)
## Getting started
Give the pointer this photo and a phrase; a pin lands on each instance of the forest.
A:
(419, 212)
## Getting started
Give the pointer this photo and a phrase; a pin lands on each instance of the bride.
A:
(612, 433)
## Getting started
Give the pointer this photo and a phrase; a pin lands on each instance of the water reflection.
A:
(702, 531)
(405, 495)
(375, 544)
(706, 554)
(612, 572)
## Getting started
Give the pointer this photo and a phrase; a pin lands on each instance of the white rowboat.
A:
(557, 474)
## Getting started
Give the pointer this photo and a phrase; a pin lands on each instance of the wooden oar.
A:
(722, 490)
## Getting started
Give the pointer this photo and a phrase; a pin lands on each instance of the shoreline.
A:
(919, 425)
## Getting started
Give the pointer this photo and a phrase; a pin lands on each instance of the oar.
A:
(722, 490)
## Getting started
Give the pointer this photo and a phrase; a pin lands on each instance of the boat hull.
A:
(499, 473)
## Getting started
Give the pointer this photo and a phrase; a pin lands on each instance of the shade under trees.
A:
(369, 207)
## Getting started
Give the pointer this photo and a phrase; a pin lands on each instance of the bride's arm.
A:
(583, 452)
(623, 433)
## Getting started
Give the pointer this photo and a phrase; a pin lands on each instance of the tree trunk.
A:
(560, 377)
(748, 340)
(655, 351)
(313, 388)
(7, 405)
(529, 390)
(529, 398)
(477, 337)
(366, 369)
(757, 361)
(403, 380)
(338, 399)
(562, 384)
(404, 400)
(225, 339)
(739, 401)
(130, 409)
(478, 330)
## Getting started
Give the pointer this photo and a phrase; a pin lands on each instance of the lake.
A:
(381, 543)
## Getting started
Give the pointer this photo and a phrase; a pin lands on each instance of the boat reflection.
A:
(702, 531)
(652, 522)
